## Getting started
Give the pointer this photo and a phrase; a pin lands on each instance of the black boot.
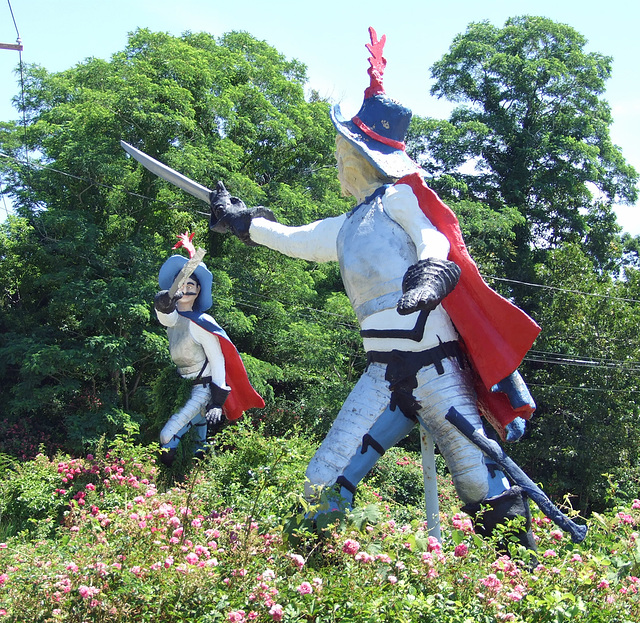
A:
(168, 456)
(498, 511)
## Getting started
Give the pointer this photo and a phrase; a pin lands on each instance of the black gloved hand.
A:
(214, 416)
(165, 303)
(426, 283)
(230, 214)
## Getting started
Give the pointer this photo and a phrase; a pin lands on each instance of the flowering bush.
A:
(124, 545)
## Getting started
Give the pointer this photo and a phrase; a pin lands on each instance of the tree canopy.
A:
(533, 122)
(81, 354)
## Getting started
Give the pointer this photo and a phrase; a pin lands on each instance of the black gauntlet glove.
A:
(426, 284)
(165, 303)
(230, 214)
(214, 416)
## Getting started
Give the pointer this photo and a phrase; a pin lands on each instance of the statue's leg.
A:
(179, 423)
(362, 431)
(436, 394)
(479, 482)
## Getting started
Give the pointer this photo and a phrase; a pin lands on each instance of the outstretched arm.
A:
(315, 242)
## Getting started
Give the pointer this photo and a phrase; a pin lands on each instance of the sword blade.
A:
(167, 173)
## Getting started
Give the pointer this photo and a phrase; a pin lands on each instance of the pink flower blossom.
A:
(515, 595)
(491, 582)
(603, 584)
(550, 553)
(461, 550)
(427, 559)
(392, 579)
(3, 578)
(192, 558)
(305, 588)
(236, 616)
(87, 592)
(298, 560)
(636, 504)
(364, 557)
(460, 522)
(276, 612)
(434, 545)
(350, 547)
(556, 535)
(627, 519)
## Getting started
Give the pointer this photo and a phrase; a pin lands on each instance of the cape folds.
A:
(496, 334)
(242, 396)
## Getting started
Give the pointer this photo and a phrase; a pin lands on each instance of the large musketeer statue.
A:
(202, 352)
(442, 347)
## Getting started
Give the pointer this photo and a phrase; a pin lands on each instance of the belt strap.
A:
(422, 359)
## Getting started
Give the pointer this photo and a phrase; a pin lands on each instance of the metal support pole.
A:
(430, 483)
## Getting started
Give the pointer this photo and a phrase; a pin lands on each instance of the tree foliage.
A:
(81, 354)
(532, 120)
(80, 348)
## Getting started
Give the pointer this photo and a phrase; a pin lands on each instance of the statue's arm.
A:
(315, 242)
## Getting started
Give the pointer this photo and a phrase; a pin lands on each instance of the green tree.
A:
(532, 120)
(583, 372)
(80, 349)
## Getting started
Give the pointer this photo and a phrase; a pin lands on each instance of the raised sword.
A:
(167, 173)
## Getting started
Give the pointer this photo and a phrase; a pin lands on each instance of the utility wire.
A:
(14, 19)
(563, 290)
(140, 196)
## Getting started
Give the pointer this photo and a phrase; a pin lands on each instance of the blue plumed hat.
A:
(379, 129)
(170, 269)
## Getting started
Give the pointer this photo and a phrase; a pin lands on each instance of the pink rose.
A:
(276, 612)
(305, 588)
(461, 550)
(350, 547)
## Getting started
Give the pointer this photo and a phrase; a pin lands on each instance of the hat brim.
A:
(388, 160)
(169, 271)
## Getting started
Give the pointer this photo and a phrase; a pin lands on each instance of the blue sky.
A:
(329, 37)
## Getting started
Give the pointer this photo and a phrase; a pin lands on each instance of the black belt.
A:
(202, 380)
(402, 371)
(422, 359)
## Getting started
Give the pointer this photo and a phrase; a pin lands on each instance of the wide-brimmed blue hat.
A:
(170, 269)
(379, 129)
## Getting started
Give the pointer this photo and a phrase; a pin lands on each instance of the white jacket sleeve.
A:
(315, 242)
(167, 320)
(402, 206)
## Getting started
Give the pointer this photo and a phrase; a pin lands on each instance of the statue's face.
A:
(350, 164)
(189, 295)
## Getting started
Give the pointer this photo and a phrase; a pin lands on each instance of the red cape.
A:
(242, 395)
(496, 333)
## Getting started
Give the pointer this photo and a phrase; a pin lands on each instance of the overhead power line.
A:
(564, 290)
(141, 196)
(13, 46)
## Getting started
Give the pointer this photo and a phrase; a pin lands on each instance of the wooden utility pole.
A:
(11, 46)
